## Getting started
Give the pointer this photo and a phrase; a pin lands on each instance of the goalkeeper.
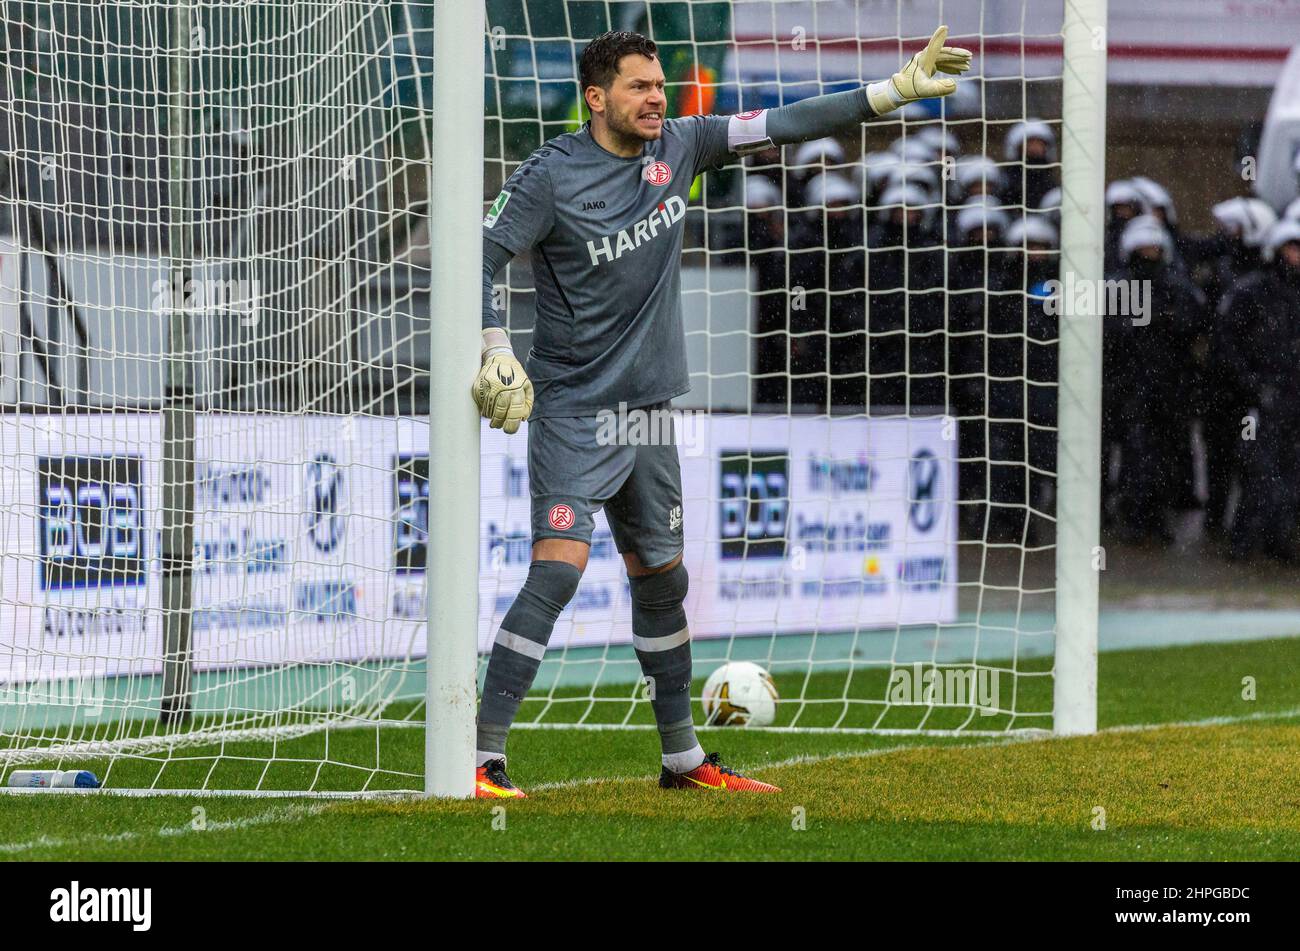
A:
(601, 210)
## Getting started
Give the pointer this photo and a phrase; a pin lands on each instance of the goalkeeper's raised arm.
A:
(820, 116)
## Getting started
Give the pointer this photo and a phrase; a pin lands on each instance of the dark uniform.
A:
(1152, 366)
(1260, 347)
(1022, 371)
(1219, 262)
(906, 348)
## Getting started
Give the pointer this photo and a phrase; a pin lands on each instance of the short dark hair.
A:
(599, 62)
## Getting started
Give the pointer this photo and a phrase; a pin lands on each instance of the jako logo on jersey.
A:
(658, 173)
(592, 205)
(561, 517)
(666, 213)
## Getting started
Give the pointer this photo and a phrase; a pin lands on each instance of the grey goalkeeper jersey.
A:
(605, 234)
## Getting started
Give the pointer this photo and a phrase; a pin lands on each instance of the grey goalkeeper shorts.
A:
(580, 464)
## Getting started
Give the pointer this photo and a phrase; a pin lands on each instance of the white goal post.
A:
(1083, 182)
(254, 538)
(457, 195)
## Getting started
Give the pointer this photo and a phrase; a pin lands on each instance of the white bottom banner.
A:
(310, 537)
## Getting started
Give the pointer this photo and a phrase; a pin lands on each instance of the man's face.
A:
(1036, 151)
(909, 216)
(1290, 254)
(1123, 211)
(634, 103)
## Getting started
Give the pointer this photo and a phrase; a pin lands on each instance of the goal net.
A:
(869, 449)
(215, 335)
(214, 346)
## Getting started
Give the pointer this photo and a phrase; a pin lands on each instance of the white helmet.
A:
(1251, 217)
(980, 216)
(1050, 204)
(1029, 129)
(910, 197)
(1032, 228)
(875, 167)
(1124, 192)
(1156, 197)
(940, 140)
(912, 148)
(1284, 232)
(1146, 231)
(825, 151)
(1292, 212)
(976, 168)
(910, 173)
(829, 188)
(761, 192)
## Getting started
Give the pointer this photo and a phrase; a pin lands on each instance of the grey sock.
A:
(519, 648)
(663, 646)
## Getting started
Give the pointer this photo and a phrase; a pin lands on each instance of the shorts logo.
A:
(658, 173)
(560, 517)
(674, 518)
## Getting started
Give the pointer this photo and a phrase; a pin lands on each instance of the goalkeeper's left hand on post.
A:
(502, 391)
(916, 81)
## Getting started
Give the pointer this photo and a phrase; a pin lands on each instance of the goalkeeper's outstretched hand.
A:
(916, 80)
(502, 391)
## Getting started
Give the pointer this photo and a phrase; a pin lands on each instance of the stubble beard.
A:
(623, 127)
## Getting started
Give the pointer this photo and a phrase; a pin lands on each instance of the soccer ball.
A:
(739, 693)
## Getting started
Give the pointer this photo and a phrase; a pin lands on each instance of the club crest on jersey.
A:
(611, 247)
(561, 517)
(658, 173)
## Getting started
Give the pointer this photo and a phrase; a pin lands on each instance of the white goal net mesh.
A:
(214, 349)
(213, 362)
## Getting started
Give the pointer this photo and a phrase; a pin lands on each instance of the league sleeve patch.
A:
(494, 212)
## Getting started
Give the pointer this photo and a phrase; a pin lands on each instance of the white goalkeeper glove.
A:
(502, 391)
(916, 80)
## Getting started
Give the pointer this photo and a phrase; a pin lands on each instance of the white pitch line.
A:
(296, 813)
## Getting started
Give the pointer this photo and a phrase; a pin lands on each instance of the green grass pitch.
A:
(1184, 768)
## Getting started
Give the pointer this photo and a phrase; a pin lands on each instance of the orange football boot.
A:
(491, 782)
(711, 774)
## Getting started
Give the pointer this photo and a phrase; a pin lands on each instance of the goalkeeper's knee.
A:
(663, 591)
